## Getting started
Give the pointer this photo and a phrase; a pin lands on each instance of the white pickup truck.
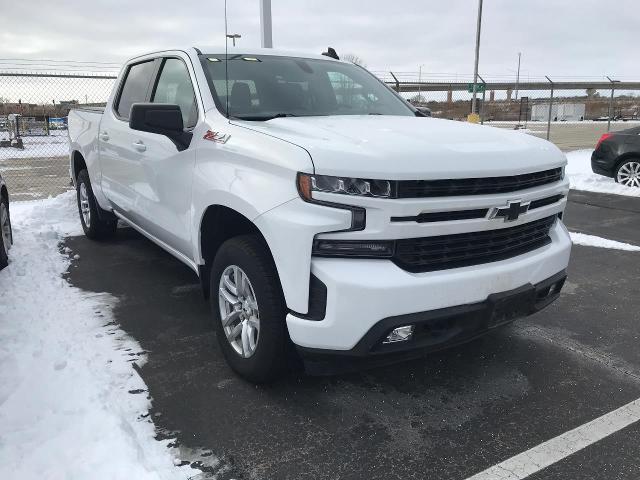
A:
(323, 214)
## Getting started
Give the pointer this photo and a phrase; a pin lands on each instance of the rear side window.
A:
(135, 87)
(175, 87)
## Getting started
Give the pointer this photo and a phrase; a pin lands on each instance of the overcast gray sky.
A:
(561, 38)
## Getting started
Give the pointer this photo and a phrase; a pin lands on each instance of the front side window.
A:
(134, 89)
(267, 86)
(174, 86)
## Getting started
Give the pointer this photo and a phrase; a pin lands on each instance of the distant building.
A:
(560, 112)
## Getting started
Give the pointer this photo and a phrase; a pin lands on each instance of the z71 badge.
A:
(216, 136)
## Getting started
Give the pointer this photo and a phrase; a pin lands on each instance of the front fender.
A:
(289, 231)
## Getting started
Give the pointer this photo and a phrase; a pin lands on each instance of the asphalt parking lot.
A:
(447, 416)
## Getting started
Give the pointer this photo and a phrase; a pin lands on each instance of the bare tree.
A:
(353, 58)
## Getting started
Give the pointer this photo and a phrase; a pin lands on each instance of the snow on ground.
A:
(66, 370)
(594, 241)
(582, 178)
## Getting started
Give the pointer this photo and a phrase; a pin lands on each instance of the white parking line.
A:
(552, 451)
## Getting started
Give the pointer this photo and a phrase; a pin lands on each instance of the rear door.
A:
(120, 159)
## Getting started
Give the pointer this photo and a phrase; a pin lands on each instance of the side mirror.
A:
(161, 118)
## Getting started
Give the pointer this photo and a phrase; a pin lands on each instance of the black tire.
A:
(269, 360)
(4, 249)
(102, 224)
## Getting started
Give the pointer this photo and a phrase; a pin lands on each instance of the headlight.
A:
(343, 185)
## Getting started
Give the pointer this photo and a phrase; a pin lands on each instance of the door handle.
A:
(139, 146)
(104, 136)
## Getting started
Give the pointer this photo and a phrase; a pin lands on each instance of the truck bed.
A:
(83, 108)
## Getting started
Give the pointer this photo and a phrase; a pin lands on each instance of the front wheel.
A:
(98, 224)
(249, 309)
(628, 173)
(6, 235)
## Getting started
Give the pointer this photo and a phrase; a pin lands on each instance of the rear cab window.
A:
(134, 88)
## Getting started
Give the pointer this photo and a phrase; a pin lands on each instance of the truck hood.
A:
(401, 148)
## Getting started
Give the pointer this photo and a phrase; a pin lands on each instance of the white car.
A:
(319, 210)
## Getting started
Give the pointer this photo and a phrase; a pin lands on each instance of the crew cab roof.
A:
(220, 50)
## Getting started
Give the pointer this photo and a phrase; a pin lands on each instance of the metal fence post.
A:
(613, 82)
(484, 91)
(397, 82)
(550, 108)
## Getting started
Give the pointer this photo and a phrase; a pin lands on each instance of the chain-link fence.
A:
(571, 114)
(34, 143)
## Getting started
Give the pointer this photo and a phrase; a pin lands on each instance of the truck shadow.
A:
(389, 422)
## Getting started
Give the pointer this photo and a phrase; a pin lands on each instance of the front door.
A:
(163, 191)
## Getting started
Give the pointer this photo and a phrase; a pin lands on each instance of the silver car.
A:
(6, 236)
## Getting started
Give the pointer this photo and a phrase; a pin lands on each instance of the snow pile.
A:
(582, 178)
(593, 241)
(66, 371)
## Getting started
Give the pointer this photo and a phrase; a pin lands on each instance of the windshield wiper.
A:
(264, 118)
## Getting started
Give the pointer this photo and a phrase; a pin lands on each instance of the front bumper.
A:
(362, 293)
(602, 164)
(436, 330)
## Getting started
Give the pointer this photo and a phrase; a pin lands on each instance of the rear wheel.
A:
(248, 309)
(97, 223)
(6, 235)
(628, 173)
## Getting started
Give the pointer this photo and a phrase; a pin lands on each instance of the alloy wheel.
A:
(239, 311)
(629, 174)
(85, 210)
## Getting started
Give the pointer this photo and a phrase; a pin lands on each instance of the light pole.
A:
(233, 37)
(518, 75)
(475, 66)
(266, 29)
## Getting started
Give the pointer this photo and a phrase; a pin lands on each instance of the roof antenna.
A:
(226, 61)
(331, 53)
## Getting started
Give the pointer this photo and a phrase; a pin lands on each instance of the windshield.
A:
(263, 87)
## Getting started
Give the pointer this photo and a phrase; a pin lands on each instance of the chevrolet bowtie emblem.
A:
(512, 211)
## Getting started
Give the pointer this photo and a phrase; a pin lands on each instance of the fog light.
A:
(400, 334)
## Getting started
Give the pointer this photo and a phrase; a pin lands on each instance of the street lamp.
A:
(233, 37)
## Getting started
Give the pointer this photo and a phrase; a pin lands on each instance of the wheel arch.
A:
(218, 224)
(78, 163)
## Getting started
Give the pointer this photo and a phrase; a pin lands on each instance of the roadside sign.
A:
(479, 87)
